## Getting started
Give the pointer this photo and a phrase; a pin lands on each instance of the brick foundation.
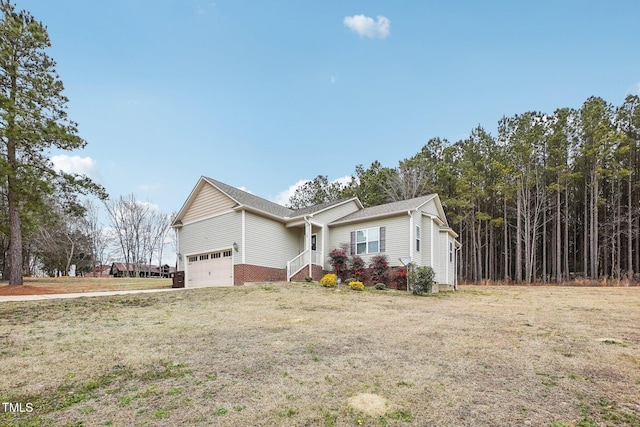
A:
(316, 273)
(243, 273)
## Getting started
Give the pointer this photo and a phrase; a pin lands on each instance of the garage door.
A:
(210, 269)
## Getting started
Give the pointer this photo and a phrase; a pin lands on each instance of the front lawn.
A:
(300, 354)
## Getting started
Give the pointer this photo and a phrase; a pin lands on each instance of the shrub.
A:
(380, 286)
(349, 280)
(308, 279)
(329, 280)
(339, 261)
(379, 269)
(356, 286)
(357, 268)
(421, 279)
(397, 278)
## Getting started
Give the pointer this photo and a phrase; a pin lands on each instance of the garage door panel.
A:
(210, 269)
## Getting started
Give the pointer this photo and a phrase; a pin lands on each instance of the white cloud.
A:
(344, 180)
(282, 198)
(243, 188)
(76, 164)
(149, 205)
(148, 187)
(333, 79)
(367, 27)
(635, 89)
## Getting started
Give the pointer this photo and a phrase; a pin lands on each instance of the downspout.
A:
(410, 247)
(307, 237)
(455, 267)
(410, 235)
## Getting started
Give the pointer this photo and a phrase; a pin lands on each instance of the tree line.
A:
(551, 197)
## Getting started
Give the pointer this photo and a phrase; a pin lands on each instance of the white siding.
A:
(397, 235)
(269, 243)
(211, 234)
(425, 244)
(430, 208)
(208, 201)
(451, 264)
(441, 254)
(335, 213)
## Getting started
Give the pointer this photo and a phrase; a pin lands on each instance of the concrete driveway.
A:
(9, 298)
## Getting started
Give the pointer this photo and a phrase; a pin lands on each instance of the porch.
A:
(310, 260)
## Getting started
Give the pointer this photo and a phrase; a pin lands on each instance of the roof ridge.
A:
(250, 199)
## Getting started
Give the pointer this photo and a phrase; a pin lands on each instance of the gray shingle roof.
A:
(316, 208)
(386, 209)
(250, 200)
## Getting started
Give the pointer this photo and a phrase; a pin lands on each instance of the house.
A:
(121, 269)
(101, 271)
(228, 237)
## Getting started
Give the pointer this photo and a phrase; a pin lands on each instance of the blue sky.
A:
(263, 94)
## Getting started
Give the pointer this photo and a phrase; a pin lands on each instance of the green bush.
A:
(421, 279)
(329, 280)
(308, 279)
(380, 286)
(349, 280)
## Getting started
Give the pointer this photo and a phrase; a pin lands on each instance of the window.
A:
(216, 255)
(226, 253)
(193, 258)
(450, 251)
(204, 257)
(418, 238)
(368, 241)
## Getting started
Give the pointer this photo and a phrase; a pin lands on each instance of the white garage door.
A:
(210, 269)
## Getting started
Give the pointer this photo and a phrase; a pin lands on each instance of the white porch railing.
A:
(301, 261)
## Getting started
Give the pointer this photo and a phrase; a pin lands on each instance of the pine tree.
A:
(33, 120)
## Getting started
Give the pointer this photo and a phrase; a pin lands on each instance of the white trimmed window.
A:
(450, 251)
(418, 238)
(368, 241)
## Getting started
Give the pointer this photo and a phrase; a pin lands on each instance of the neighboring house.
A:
(101, 271)
(228, 237)
(121, 269)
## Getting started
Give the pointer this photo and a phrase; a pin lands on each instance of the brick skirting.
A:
(243, 273)
(316, 273)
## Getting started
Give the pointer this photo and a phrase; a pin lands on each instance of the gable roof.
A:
(311, 210)
(388, 209)
(243, 198)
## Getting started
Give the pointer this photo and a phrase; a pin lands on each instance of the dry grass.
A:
(300, 354)
(63, 285)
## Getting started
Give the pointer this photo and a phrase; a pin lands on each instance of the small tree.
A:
(379, 268)
(421, 279)
(339, 261)
(357, 268)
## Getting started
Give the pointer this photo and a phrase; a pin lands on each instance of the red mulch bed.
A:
(63, 288)
(8, 290)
